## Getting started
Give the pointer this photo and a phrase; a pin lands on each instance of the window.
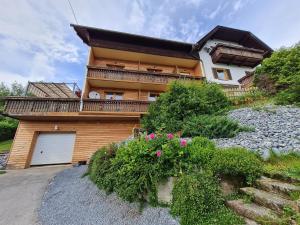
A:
(153, 96)
(222, 74)
(114, 96)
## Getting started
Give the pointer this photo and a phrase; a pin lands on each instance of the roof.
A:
(96, 37)
(245, 38)
(52, 90)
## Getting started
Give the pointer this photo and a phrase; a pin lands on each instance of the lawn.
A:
(5, 145)
(2, 172)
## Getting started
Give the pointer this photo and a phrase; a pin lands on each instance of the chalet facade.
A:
(229, 54)
(124, 74)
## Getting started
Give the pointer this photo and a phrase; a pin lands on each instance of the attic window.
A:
(115, 66)
(222, 74)
(154, 70)
(184, 72)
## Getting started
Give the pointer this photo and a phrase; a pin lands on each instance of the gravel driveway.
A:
(73, 200)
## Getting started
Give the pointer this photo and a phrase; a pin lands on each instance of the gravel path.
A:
(3, 160)
(276, 127)
(72, 200)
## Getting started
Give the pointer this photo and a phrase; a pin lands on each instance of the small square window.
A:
(153, 96)
(119, 96)
(109, 96)
(222, 74)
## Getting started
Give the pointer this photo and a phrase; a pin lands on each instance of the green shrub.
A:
(201, 151)
(211, 127)
(8, 128)
(280, 75)
(181, 101)
(237, 162)
(197, 200)
(100, 167)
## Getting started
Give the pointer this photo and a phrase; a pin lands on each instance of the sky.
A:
(38, 44)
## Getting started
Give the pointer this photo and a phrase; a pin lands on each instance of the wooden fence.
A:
(233, 93)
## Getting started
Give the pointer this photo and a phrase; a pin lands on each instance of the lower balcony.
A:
(43, 108)
(240, 56)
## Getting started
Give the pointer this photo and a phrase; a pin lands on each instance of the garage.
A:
(53, 148)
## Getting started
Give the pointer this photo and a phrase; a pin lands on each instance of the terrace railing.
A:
(94, 105)
(29, 105)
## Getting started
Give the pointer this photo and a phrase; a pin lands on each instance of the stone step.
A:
(251, 211)
(250, 222)
(277, 186)
(269, 200)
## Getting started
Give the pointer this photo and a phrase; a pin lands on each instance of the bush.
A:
(197, 200)
(183, 100)
(237, 162)
(201, 150)
(211, 127)
(282, 73)
(8, 128)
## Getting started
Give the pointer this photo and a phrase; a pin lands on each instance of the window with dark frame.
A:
(115, 66)
(154, 70)
(153, 96)
(222, 74)
(114, 96)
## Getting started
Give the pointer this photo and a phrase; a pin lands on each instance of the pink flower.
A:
(170, 136)
(152, 136)
(158, 153)
(183, 142)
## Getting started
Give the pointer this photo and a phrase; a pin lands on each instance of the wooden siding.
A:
(140, 66)
(90, 136)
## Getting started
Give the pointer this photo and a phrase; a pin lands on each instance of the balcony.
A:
(240, 56)
(38, 108)
(120, 78)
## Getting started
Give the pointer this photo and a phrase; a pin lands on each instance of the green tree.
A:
(280, 75)
(8, 126)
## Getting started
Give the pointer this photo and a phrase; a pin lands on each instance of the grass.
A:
(5, 145)
(2, 172)
(286, 165)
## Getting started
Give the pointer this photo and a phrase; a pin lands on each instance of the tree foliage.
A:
(280, 75)
(9, 126)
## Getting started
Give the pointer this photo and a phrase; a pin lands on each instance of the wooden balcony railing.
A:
(240, 56)
(115, 105)
(29, 105)
(23, 105)
(136, 76)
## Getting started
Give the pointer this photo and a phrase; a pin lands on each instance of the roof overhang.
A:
(96, 37)
(242, 37)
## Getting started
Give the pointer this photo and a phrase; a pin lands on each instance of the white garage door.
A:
(53, 148)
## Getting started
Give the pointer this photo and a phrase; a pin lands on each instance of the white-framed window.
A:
(153, 96)
(114, 96)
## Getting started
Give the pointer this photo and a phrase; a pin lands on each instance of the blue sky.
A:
(38, 44)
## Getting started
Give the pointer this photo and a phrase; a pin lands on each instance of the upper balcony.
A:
(121, 78)
(240, 56)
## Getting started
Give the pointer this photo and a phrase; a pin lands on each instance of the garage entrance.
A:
(53, 148)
